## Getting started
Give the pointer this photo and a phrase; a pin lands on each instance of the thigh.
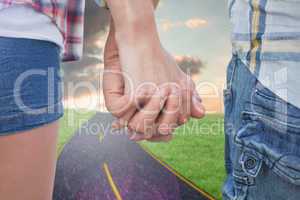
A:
(30, 105)
(27, 164)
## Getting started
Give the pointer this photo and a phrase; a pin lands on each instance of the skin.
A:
(27, 164)
(143, 86)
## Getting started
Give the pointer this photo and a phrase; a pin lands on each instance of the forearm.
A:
(134, 20)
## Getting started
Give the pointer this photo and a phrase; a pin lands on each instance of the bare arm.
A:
(152, 75)
(134, 20)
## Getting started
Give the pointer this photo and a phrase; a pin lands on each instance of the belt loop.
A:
(233, 65)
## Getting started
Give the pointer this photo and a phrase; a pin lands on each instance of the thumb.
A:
(116, 101)
(113, 80)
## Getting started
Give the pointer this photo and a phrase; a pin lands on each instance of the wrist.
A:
(136, 39)
(137, 29)
(134, 20)
(140, 44)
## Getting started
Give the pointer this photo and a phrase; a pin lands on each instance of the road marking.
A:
(111, 182)
(191, 184)
(101, 137)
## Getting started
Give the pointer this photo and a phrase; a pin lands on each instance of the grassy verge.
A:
(71, 121)
(197, 153)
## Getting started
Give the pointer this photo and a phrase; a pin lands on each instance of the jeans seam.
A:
(231, 79)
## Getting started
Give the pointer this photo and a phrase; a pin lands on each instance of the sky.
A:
(201, 29)
(194, 29)
(198, 28)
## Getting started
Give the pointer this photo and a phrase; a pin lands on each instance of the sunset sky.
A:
(197, 29)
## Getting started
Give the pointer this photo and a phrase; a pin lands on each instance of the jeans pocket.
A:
(271, 128)
(274, 111)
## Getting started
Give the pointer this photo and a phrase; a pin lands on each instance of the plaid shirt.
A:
(266, 32)
(266, 38)
(68, 15)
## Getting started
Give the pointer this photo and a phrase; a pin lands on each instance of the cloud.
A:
(189, 64)
(192, 23)
(195, 23)
(168, 25)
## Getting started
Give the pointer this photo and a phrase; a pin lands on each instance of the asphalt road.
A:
(98, 164)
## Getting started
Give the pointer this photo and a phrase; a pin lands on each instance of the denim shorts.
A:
(262, 140)
(30, 84)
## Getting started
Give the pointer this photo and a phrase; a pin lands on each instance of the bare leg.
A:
(27, 164)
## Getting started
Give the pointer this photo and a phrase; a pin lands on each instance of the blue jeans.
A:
(262, 140)
(30, 84)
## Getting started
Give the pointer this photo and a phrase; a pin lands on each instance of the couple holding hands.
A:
(148, 93)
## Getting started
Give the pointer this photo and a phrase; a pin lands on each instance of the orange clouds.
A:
(192, 23)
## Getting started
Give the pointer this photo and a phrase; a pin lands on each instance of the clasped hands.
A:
(145, 89)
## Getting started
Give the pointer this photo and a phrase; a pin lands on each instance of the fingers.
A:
(142, 97)
(144, 120)
(160, 129)
(168, 119)
(136, 137)
(197, 108)
(161, 138)
(123, 120)
(191, 106)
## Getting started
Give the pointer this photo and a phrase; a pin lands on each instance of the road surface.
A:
(98, 164)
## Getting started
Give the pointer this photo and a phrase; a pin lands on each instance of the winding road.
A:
(99, 164)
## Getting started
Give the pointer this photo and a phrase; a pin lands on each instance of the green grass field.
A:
(196, 151)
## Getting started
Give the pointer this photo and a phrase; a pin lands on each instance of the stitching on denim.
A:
(271, 120)
(275, 100)
(234, 63)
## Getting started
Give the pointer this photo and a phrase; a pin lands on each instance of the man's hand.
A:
(146, 90)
